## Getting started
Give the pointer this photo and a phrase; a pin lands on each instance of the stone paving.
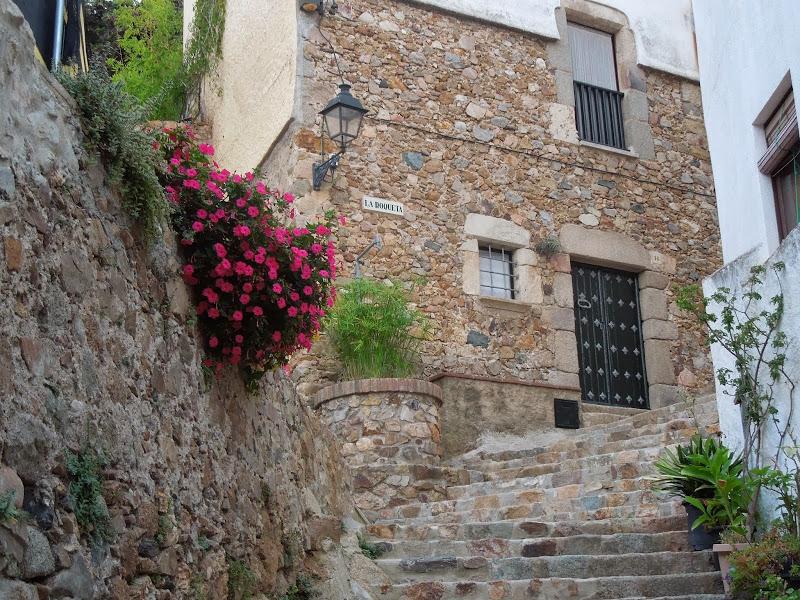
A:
(576, 519)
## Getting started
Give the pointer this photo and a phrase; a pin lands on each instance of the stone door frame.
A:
(615, 250)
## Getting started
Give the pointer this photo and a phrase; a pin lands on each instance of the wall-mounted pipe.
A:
(58, 35)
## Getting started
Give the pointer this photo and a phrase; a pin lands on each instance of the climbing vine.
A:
(205, 45)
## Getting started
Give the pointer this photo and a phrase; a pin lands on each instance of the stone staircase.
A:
(572, 519)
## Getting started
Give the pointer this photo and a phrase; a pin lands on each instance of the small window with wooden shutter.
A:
(781, 162)
(598, 101)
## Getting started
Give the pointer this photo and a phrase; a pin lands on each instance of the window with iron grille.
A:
(781, 162)
(598, 101)
(497, 272)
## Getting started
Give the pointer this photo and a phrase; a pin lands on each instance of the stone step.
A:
(526, 528)
(590, 469)
(568, 449)
(479, 568)
(686, 586)
(586, 544)
(619, 505)
(573, 497)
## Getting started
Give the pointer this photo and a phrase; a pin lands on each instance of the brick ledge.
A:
(369, 386)
(541, 384)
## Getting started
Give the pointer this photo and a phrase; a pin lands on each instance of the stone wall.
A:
(470, 119)
(98, 352)
(482, 405)
(390, 435)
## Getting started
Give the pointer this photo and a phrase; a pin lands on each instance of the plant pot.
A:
(722, 553)
(700, 538)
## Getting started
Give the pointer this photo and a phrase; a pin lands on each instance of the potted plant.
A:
(690, 472)
(769, 568)
(729, 542)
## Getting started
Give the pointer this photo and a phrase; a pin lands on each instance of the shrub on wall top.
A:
(375, 331)
(262, 282)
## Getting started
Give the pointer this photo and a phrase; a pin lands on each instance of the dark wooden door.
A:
(609, 334)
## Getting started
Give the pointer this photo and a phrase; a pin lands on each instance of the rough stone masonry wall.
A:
(464, 118)
(97, 350)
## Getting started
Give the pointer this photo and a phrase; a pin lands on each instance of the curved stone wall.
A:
(390, 436)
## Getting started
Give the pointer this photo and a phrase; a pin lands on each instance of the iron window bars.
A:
(598, 115)
(497, 273)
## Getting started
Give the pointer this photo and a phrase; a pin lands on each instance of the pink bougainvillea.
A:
(262, 281)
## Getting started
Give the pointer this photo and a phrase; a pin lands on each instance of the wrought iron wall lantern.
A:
(341, 122)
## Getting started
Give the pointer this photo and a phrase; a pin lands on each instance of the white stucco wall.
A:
(731, 276)
(745, 50)
(663, 30)
(257, 76)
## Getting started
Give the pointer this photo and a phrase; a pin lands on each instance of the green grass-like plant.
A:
(8, 508)
(241, 580)
(375, 331)
(86, 495)
(370, 550)
(112, 122)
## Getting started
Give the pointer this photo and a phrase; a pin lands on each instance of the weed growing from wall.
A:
(8, 509)
(86, 495)
(241, 580)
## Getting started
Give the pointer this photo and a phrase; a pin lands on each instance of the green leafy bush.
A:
(241, 580)
(112, 120)
(375, 331)
(672, 478)
(303, 589)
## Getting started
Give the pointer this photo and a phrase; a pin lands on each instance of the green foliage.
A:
(101, 33)
(721, 473)
(756, 570)
(205, 43)
(375, 331)
(671, 465)
(151, 46)
(303, 589)
(8, 508)
(548, 246)
(241, 580)
(747, 326)
(370, 550)
(111, 121)
(86, 495)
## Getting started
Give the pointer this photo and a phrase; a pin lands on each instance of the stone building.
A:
(500, 131)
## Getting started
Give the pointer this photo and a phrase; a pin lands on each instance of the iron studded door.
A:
(609, 334)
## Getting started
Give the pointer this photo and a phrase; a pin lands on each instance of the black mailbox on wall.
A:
(567, 413)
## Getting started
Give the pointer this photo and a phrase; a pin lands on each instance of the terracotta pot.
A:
(700, 538)
(722, 552)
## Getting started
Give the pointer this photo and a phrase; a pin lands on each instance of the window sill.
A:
(611, 149)
(517, 306)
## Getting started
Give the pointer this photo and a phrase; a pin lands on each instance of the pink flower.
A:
(289, 198)
(322, 230)
(261, 188)
(241, 231)
(281, 303)
(258, 311)
(191, 173)
(247, 287)
(277, 288)
(323, 273)
(213, 342)
(316, 248)
(237, 315)
(239, 339)
(291, 311)
(294, 296)
(188, 270)
(220, 214)
(252, 211)
(220, 250)
(213, 313)
(197, 226)
(276, 336)
(241, 202)
(202, 213)
(191, 183)
(244, 299)
(206, 149)
(308, 290)
(342, 220)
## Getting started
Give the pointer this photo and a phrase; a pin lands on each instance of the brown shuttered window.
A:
(781, 162)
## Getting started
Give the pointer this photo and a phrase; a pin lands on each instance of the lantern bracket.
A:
(321, 170)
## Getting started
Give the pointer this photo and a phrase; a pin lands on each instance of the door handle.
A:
(584, 304)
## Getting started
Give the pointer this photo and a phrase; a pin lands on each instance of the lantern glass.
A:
(342, 117)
